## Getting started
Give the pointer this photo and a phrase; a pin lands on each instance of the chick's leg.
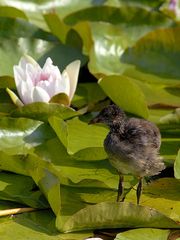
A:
(139, 189)
(120, 188)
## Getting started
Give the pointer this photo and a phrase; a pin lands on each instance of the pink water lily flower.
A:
(36, 84)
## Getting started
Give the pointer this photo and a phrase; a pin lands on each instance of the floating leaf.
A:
(80, 136)
(42, 111)
(145, 233)
(153, 196)
(13, 163)
(110, 42)
(169, 148)
(77, 135)
(133, 15)
(66, 167)
(171, 118)
(56, 25)
(21, 189)
(88, 94)
(35, 225)
(116, 215)
(177, 166)
(6, 11)
(20, 135)
(157, 52)
(125, 93)
(11, 51)
(158, 94)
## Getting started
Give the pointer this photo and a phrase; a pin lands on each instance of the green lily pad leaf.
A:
(13, 163)
(57, 26)
(62, 55)
(177, 166)
(19, 136)
(84, 31)
(18, 37)
(48, 183)
(60, 128)
(171, 118)
(88, 94)
(14, 28)
(159, 95)
(21, 189)
(116, 215)
(11, 52)
(35, 225)
(125, 93)
(61, 30)
(66, 167)
(144, 233)
(110, 41)
(7, 81)
(86, 153)
(80, 136)
(166, 201)
(169, 148)
(60, 98)
(135, 15)
(157, 52)
(6, 11)
(26, 226)
(42, 111)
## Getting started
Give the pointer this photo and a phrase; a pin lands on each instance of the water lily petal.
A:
(40, 95)
(27, 59)
(41, 84)
(19, 77)
(19, 73)
(63, 86)
(56, 73)
(51, 70)
(32, 74)
(48, 63)
(48, 86)
(14, 98)
(73, 71)
(26, 92)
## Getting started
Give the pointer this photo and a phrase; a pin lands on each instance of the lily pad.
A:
(88, 94)
(171, 118)
(177, 166)
(66, 167)
(132, 14)
(125, 93)
(116, 215)
(157, 53)
(42, 111)
(77, 135)
(145, 233)
(110, 42)
(35, 225)
(21, 189)
(7, 11)
(20, 135)
(153, 196)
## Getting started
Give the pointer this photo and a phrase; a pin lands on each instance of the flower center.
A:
(44, 76)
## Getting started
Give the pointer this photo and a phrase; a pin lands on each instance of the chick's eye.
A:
(132, 131)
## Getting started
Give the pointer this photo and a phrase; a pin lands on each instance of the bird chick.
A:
(132, 146)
